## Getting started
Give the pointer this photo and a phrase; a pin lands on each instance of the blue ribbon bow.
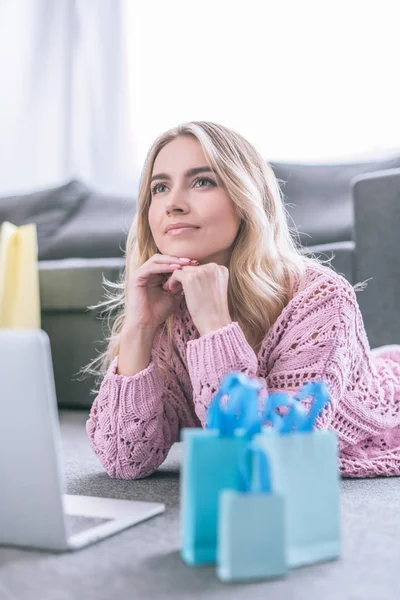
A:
(241, 409)
(247, 476)
(296, 418)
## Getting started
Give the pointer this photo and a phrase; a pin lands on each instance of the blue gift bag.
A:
(304, 468)
(251, 526)
(210, 464)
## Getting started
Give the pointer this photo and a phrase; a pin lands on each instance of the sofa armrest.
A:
(72, 284)
(377, 225)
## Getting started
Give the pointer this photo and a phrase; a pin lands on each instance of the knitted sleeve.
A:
(134, 420)
(211, 357)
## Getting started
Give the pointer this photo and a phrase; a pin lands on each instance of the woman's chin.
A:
(183, 249)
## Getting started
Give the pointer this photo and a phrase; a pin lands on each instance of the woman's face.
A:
(196, 198)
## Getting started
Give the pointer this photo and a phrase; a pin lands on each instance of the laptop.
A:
(34, 512)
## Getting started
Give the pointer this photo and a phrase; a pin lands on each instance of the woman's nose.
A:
(176, 205)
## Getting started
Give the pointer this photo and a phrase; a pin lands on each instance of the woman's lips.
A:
(181, 230)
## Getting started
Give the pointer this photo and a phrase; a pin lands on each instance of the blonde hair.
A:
(266, 255)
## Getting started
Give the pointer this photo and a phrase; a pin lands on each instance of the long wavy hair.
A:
(266, 255)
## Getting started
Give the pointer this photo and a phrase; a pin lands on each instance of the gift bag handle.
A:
(275, 401)
(247, 474)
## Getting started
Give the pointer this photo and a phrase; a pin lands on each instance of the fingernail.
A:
(196, 262)
(175, 265)
(185, 260)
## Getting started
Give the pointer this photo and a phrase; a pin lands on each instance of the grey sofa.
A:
(348, 211)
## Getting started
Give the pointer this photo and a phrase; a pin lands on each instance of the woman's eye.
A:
(205, 179)
(154, 189)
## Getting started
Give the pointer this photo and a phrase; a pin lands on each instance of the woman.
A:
(213, 283)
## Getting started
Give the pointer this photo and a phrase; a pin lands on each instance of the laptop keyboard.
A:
(78, 523)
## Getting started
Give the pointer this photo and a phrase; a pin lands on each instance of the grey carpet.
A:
(143, 562)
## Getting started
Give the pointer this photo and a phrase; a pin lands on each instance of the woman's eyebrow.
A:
(189, 173)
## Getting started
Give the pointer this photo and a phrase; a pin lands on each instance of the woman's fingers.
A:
(174, 288)
(163, 258)
(153, 272)
(174, 284)
(156, 269)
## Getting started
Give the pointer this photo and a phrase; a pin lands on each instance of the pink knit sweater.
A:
(135, 420)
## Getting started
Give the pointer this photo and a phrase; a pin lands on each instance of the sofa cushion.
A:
(318, 197)
(98, 228)
(73, 221)
(49, 209)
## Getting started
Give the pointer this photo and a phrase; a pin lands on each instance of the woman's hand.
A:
(206, 292)
(148, 305)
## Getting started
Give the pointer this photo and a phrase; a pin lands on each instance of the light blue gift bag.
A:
(210, 464)
(251, 526)
(304, 469)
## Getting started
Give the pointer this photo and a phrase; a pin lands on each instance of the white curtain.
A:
(309, 80)
(87, 85)
(62, 98)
